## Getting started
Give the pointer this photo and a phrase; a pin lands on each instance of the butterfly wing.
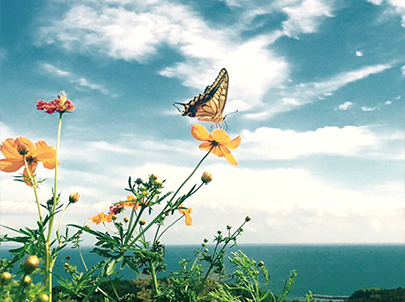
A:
(209, 106)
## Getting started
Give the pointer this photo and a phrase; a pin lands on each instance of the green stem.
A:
(34, 186)
(167, 205)
(154, 279)
(60, 222)
(48, 262)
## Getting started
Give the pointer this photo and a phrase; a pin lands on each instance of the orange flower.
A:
(101, 217)
(16, 149)
(61, 104)
(217, 142)
(186, 212)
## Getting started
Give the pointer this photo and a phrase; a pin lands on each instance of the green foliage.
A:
(378, 295)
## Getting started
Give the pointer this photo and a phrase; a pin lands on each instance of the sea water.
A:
(323, 269)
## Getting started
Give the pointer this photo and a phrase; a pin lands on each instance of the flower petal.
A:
(220, 136)
(206, 146)
(233, 144)
(200, 133)
(9, 149)
(11, 164)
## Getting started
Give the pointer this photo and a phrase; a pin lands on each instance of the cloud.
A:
(72, 78)
(344, 106)
(305, 17)
(305, 93)
(288, 205)
(388, 103)
(393, 7)
(270, 143)
(367, 109)
(403, 70)
(359, 53)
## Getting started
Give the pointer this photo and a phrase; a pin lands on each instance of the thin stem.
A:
(154, 279)
(81, 257)
(48, 262)
(34, 186)
(60, 222)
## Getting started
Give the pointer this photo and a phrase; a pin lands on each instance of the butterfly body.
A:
(209, 106)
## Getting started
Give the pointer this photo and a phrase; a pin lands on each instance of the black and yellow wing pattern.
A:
(209, 106)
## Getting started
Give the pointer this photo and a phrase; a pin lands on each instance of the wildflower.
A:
(186, 212)
(101, 217)
(74, 197)
(61, 104)
(30, 264)
(206, 177)
(15, 150)
(217, 142)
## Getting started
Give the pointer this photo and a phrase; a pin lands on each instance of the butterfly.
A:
(209, 106)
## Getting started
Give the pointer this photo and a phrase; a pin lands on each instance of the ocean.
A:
(323, 269)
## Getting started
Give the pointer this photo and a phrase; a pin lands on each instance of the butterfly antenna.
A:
(174, 104)
(231, 113)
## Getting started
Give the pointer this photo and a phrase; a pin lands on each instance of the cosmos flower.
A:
(60, 104)
(186, 212)
(15, 150)
(217, 142)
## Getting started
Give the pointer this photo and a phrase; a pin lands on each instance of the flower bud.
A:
(228, 227)
(67, 257)
(126, 219)
(205, 240)
(206, 250)
(219, 232)
(153, 177)
(42, 298)
(260, 264)
(142, 222)
(74, 197)
(248, 218)
(23, 149)
(206, 177)
(5, 278)
(30, 264)
(26, 280)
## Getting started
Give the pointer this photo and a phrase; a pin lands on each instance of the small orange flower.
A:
(61, 104)
(16, 149)
(217, 142)
(186, 212)
(101, 217)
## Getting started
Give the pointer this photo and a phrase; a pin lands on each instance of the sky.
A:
(318, 86)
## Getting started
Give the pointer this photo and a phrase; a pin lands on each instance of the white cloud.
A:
(286, 205)
(359, 53)
(403, 70)
(305, 17)
(388, 103)
(344, 106)
(367, 109)
(72, 78)
(309, 92)
(271, 143)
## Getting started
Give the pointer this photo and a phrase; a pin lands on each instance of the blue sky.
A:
(318, 85)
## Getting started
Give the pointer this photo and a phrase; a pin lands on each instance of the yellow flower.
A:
(186, 212)
(16, 149)
(101, 217)
(74, 197)
(217, 142)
